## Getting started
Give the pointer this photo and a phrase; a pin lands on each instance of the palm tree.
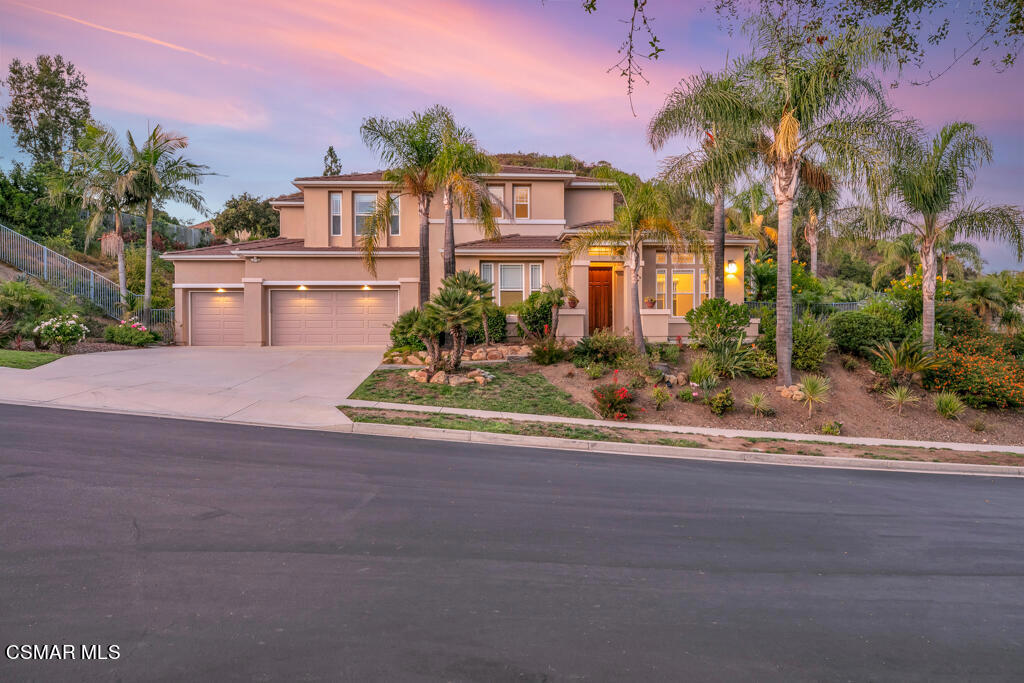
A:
(816, 107)
(157, 173)
(454, 308)
(898, 254)
(459, 171)
(642, 216)
(955, 258)
(480, 289)
(410, 148)
(929, 183)
(706, 106)
(814, 205)
(984, 296)
(750, 211)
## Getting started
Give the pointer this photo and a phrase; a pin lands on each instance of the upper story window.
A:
(365, 204)
(498, 196)
(487, 272)
(335, 213)
(521, 195)
(677, 257)
(395, 213)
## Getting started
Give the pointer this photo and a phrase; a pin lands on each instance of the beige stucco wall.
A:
(588, 205)
(292, 222)
(208, 271)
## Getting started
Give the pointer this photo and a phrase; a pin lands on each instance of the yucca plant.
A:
(899, 396)
(758, 403)
(815, 389)
(949, 405)
(906, 360)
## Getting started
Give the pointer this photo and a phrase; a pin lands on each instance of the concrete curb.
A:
(683, 429)
(682, 453)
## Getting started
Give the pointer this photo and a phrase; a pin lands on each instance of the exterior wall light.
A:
(302, 288)
(220, 290)
(731, 267)
(366, 288)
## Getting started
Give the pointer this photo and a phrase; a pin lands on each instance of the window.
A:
(535, 277)
(659, 288)
(395, 213)
(335, 213)
(601, 251)
(677, 258)
(498, 195)
(521, 194)
(487, 272)
(365, 204)
(705, 285)
(682, 291)
(510, 283)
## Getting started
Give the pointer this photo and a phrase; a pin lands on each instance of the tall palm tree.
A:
(157, 173)
(897, 254)
(459, 172)
(706, 106)
(929, 185)
(410, 148)
(984, 296)
(750, 216)
(955, 258)
(642, 216)
(813, 205)
(819, 114)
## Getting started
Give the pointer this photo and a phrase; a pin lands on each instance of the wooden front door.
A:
(600, 296)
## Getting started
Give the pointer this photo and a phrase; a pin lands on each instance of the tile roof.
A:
(514, 241)
(293, 197)
(270, 245)
(377, 176)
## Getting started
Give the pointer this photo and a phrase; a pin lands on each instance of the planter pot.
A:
(648, 304)
(573, 303)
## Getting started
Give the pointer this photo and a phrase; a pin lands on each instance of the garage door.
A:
(331, 317)
(216, 319)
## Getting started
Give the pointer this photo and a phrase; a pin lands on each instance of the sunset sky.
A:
(262, 87)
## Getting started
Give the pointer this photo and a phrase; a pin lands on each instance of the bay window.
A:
(513, 282)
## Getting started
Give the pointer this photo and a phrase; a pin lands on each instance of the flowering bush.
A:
(909, 292)
(721, 402)
(614, 401)
(981, 380)
(766, 273)
(65, 331)
(130, 332)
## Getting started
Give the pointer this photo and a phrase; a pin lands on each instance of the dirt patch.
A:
(851, 402)
(570, 431)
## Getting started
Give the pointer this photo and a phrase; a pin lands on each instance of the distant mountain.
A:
(565, 162)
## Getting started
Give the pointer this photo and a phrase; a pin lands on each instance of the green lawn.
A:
(26, 360)
(477, 424)
(509, 392)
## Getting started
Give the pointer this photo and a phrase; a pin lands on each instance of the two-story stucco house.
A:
(309, 286)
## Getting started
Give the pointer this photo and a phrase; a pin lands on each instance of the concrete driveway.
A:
(269, 385)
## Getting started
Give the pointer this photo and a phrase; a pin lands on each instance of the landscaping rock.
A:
(781, 388)
(473, 373)
(798, 396)
(422, 354)
(670, 379)
(459, 380)
(479, 354)
(494, 354)
(439, 378)
(414, 360)
(419, 375)
(786, 393)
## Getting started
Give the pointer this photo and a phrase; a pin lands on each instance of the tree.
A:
(247, 217)
(898, 254)
(814, 205)
(707, 106)
(459, 171)
(332, 164)
(984, 296)
(158, 173)
(955, 258)
(454, 308)
(24, 192)
(642, 216)
(928, 184)
(478, 288)
(410, 148)
(49, 108)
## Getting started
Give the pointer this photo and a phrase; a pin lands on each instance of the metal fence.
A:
(71, 277)
(758, 308)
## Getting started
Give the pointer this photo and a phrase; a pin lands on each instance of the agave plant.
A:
(906, 360)
(949, 405)
(758, 403)
(899, 396)
(815, 389)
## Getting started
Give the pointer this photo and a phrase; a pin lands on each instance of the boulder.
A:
(414, 360)
(797, 396)
(670, 379)
(459, 380)
(780, 388)
(439, 378)
(479, 354)
(794, 387)
(494, 354)
(480, 379)
(473, 373)
(786, 393)
(419, 375)
(422, 354)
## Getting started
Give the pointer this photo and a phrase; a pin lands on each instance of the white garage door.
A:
(216, 319)
(331, 317)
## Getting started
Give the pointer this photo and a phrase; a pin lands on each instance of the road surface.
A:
(210, 551)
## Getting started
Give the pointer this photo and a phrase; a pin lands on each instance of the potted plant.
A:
(649, 302)
(573, 302)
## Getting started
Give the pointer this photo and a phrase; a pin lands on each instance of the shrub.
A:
(986, 344)
(810, 343)
(890, 313)
(949, 405)
(604, 347)
(815, 389)
(850, 363)
(688, 394)
(130, 332)
(596, 370)
(496, 326)
(899, 396)
(702, 369)
(614, 401)
(65, 331)
(977, 425)
(25, 306)
(661, 396)
(759, 404)
(716, 320)
(534, 315)
(1016, 345)
(762, 364)
(665, 352)
(721, 402)
(579, 361)
(766, 341)
(730, 356)
(981, 380)
(904, 361)
(857, 332)
(833, 427)
(957, 320)
(402, 333)
(547, 351)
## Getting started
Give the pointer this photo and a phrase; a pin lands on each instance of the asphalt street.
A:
(210, 551)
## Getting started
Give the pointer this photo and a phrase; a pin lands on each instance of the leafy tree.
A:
(955, 258)
(23, 206)
(158, 173)
(49, 108)
(247, 217)
(332, 164)
(898, 254)
(410, 149)
(642, 216)
(929, 185)
(984, 296)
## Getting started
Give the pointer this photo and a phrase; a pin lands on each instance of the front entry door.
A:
(600, 296)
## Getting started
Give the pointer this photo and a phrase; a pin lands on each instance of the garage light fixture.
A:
(731, 267)
(220, 290)
(366, 288)
(302, 288)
